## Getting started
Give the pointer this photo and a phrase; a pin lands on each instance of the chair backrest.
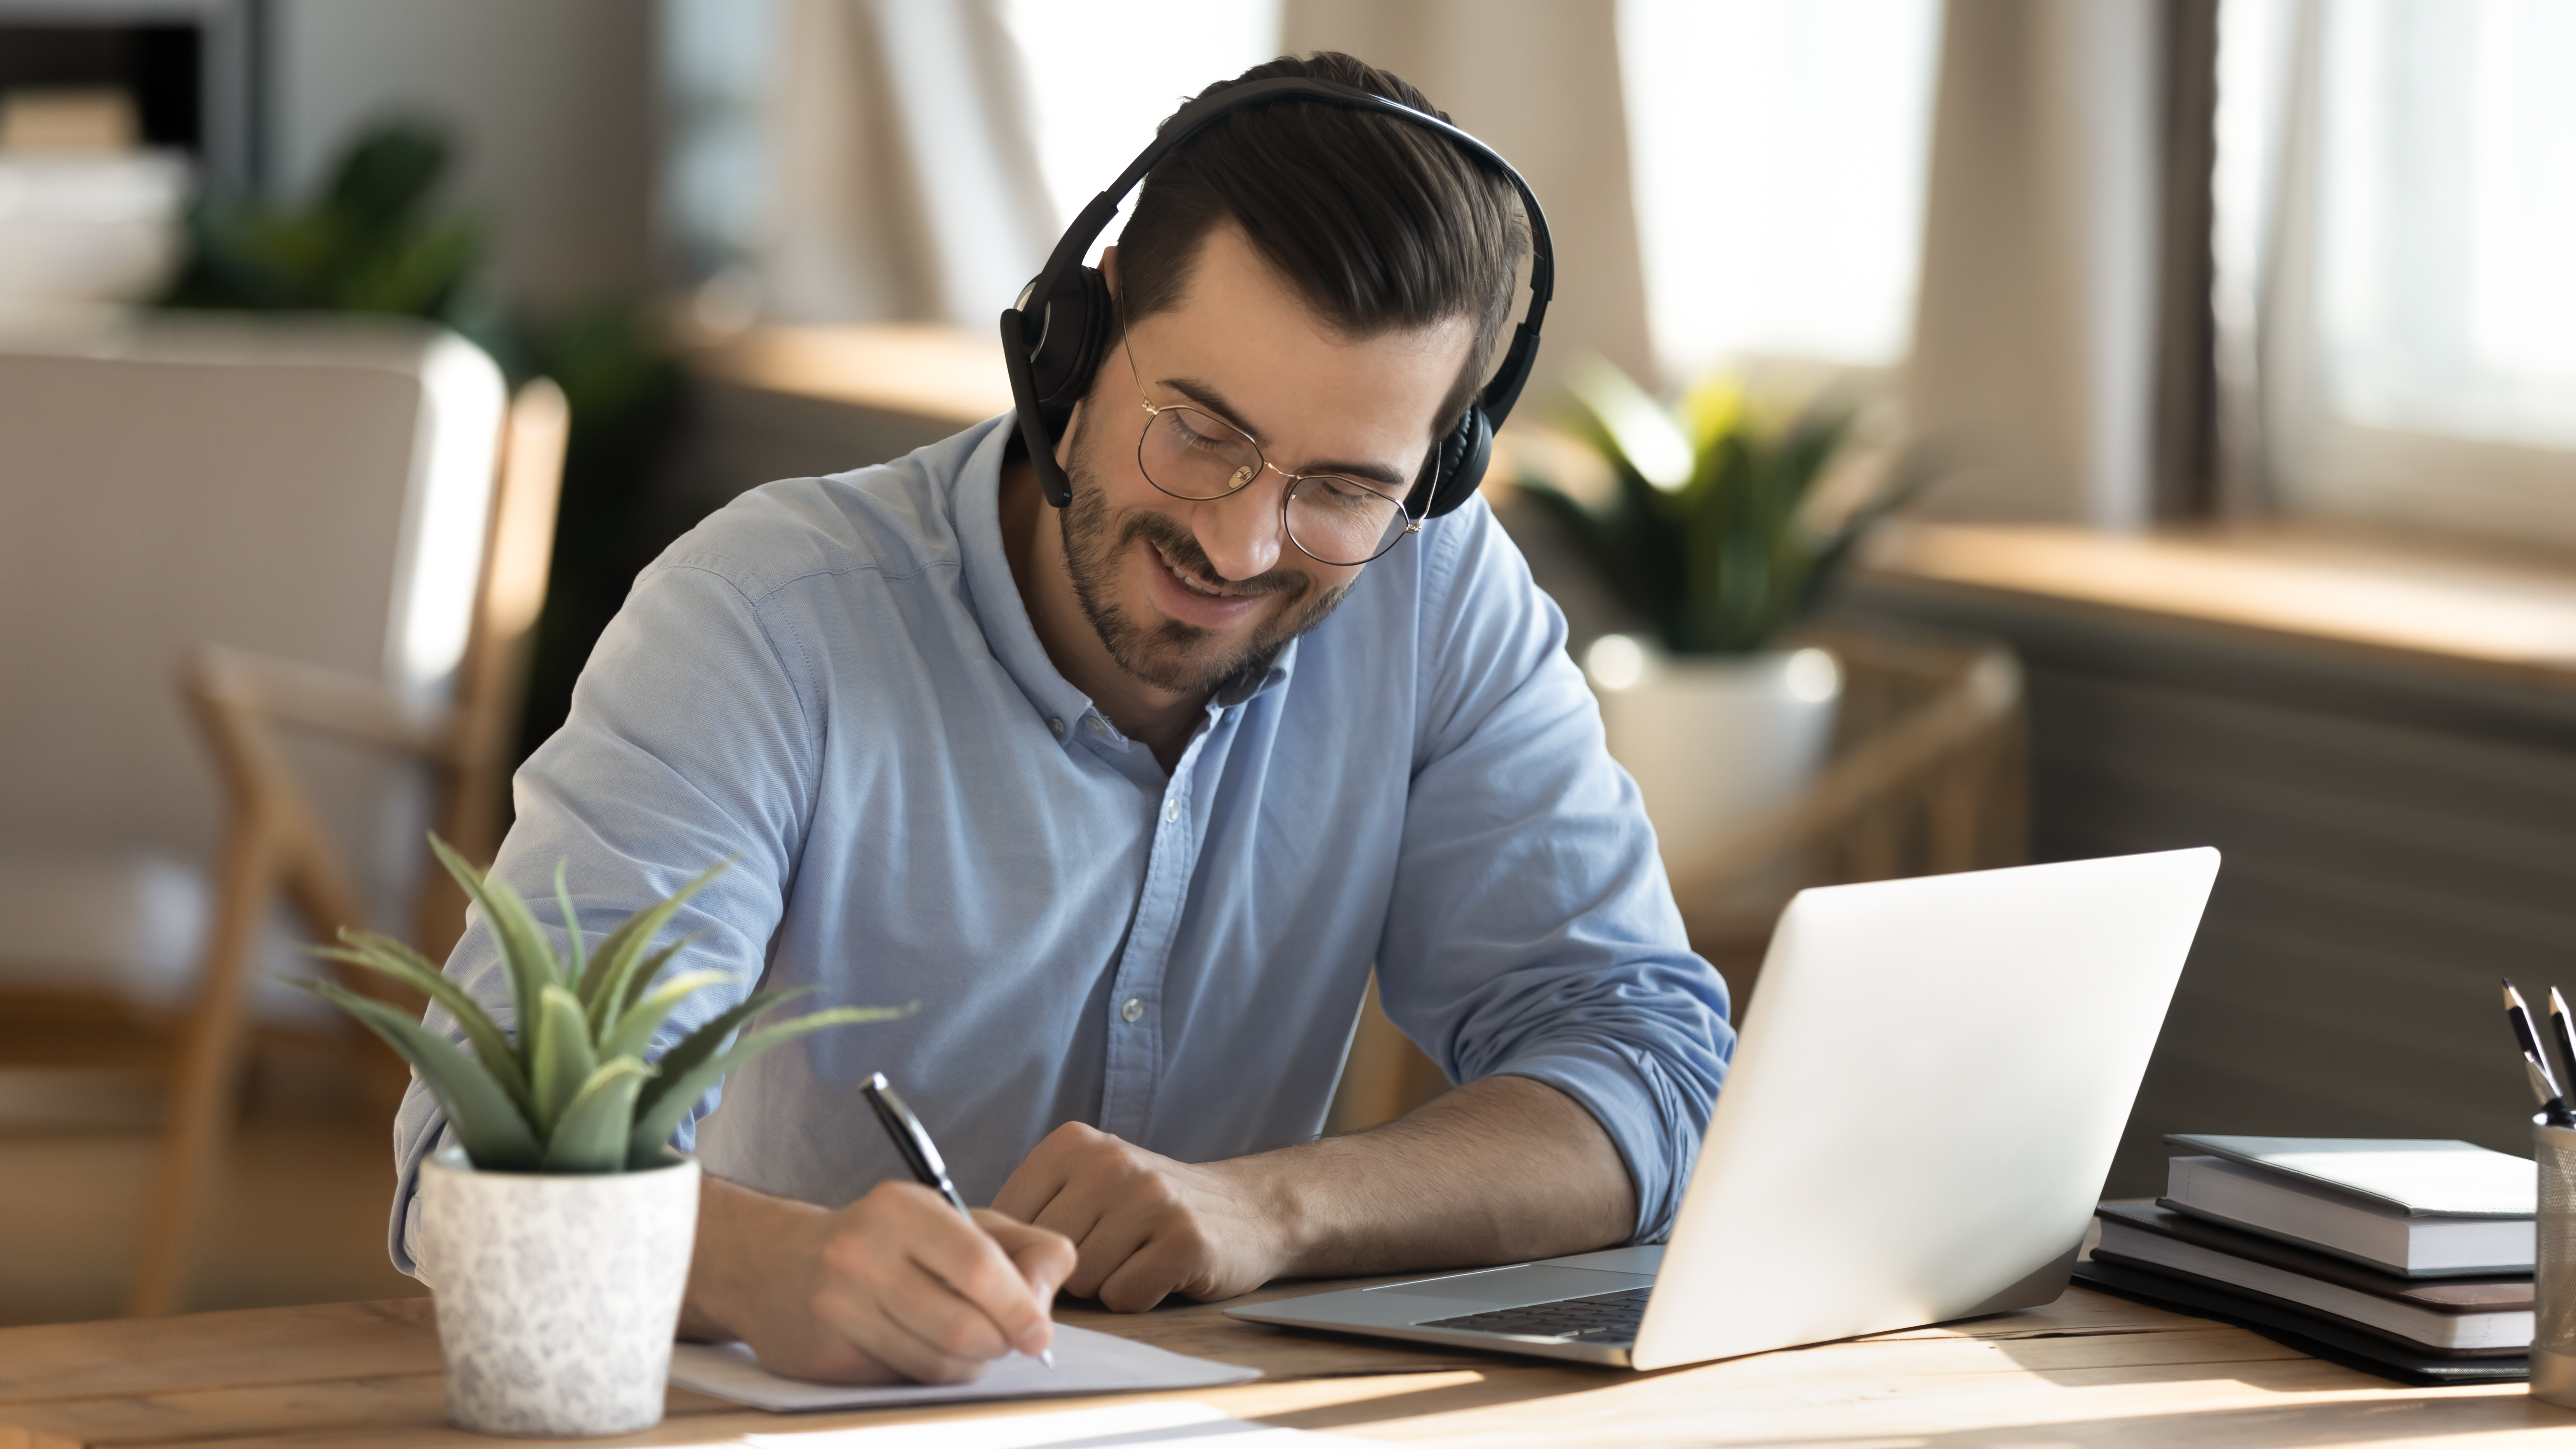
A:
(313, 489)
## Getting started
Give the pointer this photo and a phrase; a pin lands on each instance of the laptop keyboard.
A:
(1601, 1318)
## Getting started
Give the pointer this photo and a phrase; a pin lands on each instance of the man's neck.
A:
(1033, 541)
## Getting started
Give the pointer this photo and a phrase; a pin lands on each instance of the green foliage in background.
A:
(369, 242)
(1713, 527)
(573, 1093)
(374, 240)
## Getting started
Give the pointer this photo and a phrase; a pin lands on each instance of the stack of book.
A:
(2411, 1259)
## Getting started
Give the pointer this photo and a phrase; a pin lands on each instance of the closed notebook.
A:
(2491, 1315)
(2415, 1208)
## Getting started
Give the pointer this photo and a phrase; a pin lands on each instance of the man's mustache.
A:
(1183, 549)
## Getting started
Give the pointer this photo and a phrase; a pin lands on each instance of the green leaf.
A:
(524, 952)
(610, 980)
(711, 1038)
(389, 957)
(564, 1057)
(488, 1124)
(573, 962)
(603, 1023)
(634, 1031)
(594, 1130)
(674, 1092)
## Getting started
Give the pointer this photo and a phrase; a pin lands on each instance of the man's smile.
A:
(1192, 581)
(1188, 597)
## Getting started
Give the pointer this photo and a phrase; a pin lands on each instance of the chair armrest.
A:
(316, 698)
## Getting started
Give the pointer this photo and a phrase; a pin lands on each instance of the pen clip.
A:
(920, 1154)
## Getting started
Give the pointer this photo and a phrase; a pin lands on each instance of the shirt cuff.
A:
(415, 1138)
(1655, 1126)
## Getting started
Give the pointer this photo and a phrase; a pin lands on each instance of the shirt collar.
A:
(976, 506)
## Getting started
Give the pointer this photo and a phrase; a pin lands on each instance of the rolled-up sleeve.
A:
(691, 741)
(1533, 932)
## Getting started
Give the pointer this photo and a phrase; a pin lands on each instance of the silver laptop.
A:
(1915, 1128)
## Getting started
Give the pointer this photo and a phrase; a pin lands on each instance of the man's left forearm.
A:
(1499, 1171)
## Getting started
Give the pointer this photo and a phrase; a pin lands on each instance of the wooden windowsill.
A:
(921, 369)
(2497, 611)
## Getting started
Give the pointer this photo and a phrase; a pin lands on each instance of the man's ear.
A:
(1064, 439)
(1109, 268)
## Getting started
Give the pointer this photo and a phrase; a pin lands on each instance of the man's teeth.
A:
(1191, 583)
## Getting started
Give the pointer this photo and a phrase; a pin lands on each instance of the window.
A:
(1153, 56)
(1778, 151)
(2446, 264)
(2394, 201)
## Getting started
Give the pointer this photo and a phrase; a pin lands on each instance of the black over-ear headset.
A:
(1054, 336)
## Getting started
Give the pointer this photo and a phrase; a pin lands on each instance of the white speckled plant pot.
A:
(557, 1294)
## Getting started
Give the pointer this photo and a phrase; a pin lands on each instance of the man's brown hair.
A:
(1378, 225)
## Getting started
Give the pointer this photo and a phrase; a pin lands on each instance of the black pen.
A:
(2565, 1031)
(921, 1154)
(2544, 1084)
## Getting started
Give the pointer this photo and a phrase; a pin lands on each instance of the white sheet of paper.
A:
(1158, 1424)
(1085, 1363)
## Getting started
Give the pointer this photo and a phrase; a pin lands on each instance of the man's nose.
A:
(1240, 533)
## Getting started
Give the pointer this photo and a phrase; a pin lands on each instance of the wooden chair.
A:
(274, 842)
(1928, 775)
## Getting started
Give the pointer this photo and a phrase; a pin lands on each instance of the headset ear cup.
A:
(1462, 462)
(1052, 371)
(1075, 334)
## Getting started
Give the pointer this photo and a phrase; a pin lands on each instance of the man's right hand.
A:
(894, 1286)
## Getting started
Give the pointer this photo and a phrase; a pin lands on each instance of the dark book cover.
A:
(2495, 1293)
(2316, 1334)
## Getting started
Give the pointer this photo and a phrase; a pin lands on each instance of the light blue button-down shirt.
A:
(835, 682)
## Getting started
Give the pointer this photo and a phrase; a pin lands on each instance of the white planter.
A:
(557, 1294)
(1713, 740)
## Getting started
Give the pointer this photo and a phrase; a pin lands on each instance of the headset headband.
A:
(1461, 457)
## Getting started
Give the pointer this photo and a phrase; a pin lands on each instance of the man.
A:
(1130, 796)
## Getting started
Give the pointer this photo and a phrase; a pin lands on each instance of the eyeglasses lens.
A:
(1342, 522)
(1190, 454)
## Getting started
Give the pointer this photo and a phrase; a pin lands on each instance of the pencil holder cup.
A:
(2553, 1328)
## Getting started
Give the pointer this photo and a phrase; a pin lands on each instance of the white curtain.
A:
(903, 180)
(2034, 342)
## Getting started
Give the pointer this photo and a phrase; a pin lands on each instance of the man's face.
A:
(1184, 594)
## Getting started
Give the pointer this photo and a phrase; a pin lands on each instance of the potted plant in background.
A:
(1720, 523)
(556, 1230)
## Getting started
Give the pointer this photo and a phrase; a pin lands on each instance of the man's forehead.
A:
(1243, 342)
(1226, 273)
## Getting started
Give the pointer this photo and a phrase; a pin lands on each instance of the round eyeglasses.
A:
(1334, 520)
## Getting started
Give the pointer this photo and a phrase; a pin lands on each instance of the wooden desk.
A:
(2088, 1370)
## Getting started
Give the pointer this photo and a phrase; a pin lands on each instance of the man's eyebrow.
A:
(1207, 396)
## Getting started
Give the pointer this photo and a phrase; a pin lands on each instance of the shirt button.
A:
(1097, 727)
(1055, 727)
(1171, 810)
(1130, 1009)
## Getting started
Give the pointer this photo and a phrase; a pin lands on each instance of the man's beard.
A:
(1181, 658)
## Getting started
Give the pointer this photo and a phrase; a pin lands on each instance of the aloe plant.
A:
(572, 1093)
(1712, 528)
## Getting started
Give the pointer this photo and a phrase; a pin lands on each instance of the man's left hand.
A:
(1145, 1226)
